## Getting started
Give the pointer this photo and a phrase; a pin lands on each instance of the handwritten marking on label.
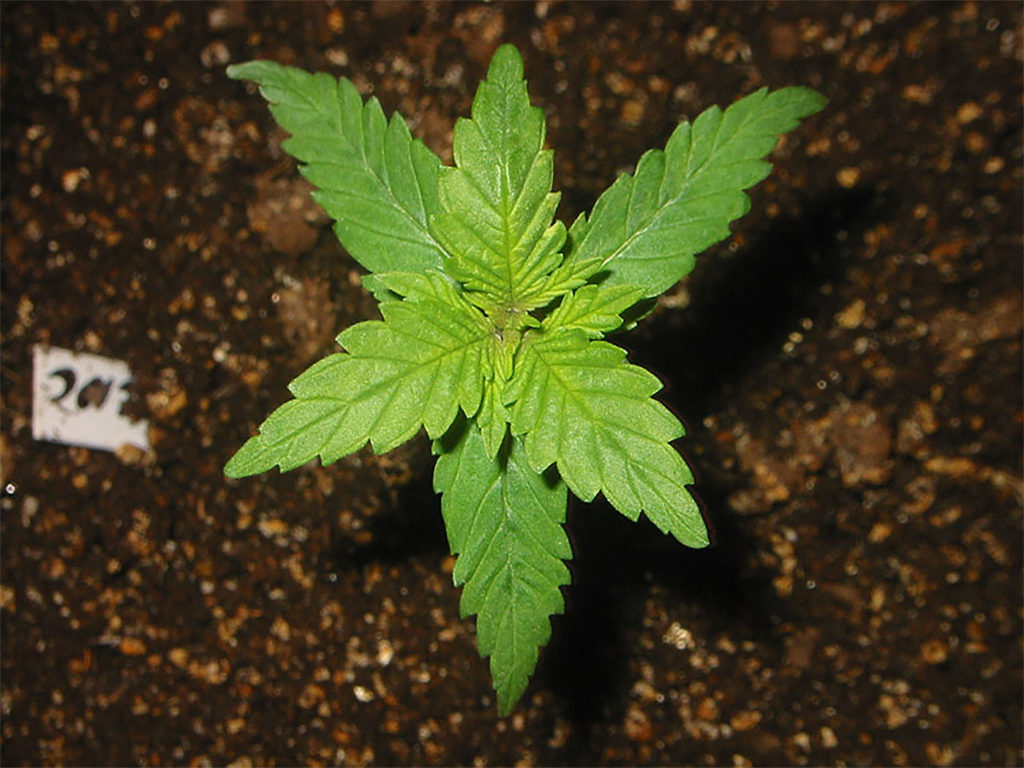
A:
(77, 400)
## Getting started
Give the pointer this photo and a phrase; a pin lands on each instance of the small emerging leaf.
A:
(493, 417)
(594, 309)
(431, 285)
(498, 201)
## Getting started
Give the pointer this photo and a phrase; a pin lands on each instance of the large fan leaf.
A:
(378, 183)
(647, 228)
(416, 367)
(580, 405)
(504, 522)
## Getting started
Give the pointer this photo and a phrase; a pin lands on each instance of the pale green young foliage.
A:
(493, 318)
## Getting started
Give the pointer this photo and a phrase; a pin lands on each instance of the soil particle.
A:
(849, 363)
(285, 214)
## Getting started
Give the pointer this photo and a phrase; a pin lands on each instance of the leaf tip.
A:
(506, 63)
(235, 469)
(509, 689)
(804, 101)
(506, 704)
(248, 460)
(243, 70)
(698, 539)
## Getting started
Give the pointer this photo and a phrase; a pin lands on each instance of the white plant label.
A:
(77, 400)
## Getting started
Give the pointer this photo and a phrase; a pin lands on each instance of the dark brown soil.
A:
(849, 364)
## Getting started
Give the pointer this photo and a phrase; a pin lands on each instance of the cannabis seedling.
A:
(493, 320)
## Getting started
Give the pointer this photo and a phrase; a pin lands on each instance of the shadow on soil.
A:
(744, 306)
(408, 526)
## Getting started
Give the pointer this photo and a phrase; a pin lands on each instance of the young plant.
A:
(493, 323)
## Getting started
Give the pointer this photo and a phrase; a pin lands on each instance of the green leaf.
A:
(581, 406)
(416, 367)
(429, 285)
(498, 201)
(371, 282)
(569, 276)
(647, 228)
(504, 522)
(292, 435)
(379, 184)
(493, 417)
(593, 309)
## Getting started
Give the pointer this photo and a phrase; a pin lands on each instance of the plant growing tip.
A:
(493, 324)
